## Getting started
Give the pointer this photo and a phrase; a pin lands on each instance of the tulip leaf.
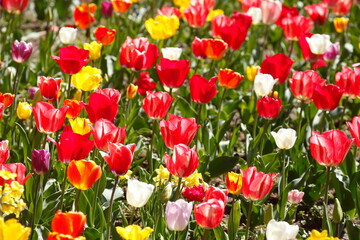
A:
(222, 165)
(220, 234)
(343, 193)
(353, 231)
(224, 127)
(234, 219)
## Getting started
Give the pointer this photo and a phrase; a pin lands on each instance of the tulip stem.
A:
(77, 198)
(110, 207)
(206, 234)
(151, 163)
(291, 48)
(262, 140)
(38, 180)
(132, 215)
(326, 197)
(97, 186)
(248, 223)
(300, 117)
(15, 78)
(218, 116)
(63, 188)
(178, 190)
(69, 85)
(346, 100)
(283, 183)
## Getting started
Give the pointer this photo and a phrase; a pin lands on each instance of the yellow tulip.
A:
(182, 3)
(94, 48)
(23, 110)
(134, 232)
(131, 91)
(251, 72)
(213, 14)
(80, 125)
(340, 24)
(162, 27)
(315, 235)
(87, 79)
(13, 230)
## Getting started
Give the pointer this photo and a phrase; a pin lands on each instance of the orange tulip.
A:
(121, 6)
(74, 108)
(104, 35)
(84, 15)
(83, 174)
(68, 225)
(6, 99)
(229, 78)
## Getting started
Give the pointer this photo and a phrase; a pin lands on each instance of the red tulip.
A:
(105, 132)
(145, 83)
(354, 128)
(120, 157)
(112, 93)
(208, 48)
(268, 107)
(72, 146)
(209, 214)
(325, 147)
(4, 151)
(229, 78)
(342, 7)
(74, 108)
(349, 81)
(84, 15)
(82, 174)
(278, 66)
(196, 14)
(169, 11)
(71, 59)
(15, 6)
(286, 12)
(183, 162)
(47, 118)
(178, 130)
(138, 54)
(256, 185)
(172, 73)
(302, 84)
(216, 193)
(156, 105)
(6, 99)
(327, 97)
(317, 12)
(101, 106)
(293, 27)
(49, 87)
(195, 193)
(201, 89)
(247, 4)
(68, 225)
(19, 169)
(2, 108)
(104, 35)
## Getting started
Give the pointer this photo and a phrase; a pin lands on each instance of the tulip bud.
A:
(138, 193)
(269, 214)
(281, 230)
(251, 72)
(295, 196)
(234, 182)
(106, 9)
(177, 214)
(131, 91)
(67, 35)
(23, 110)
(21, 51)
(340, 24)
(166, 193)
(318, 43)
(40, 161)
(263, 84)
(285, 138)
(171, 53)
(338, 214)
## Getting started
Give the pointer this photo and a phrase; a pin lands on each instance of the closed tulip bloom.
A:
(201, 89)
(134, 232)
(332, 52)
(354, 128)
(105, 132)
(71, 59)
(268, 107)
(65, 225)
(145, 83)
(21, 51)
(6, 99)
(14, 6)
(87, 79)
(171, 53)
(251, 72)
(327, 97)
(80, 125)
(213, 49)
(294, 26)
(94, 49)
(169, 11)
(295, 196)
(120, 157)
(178, 130)
(162, 27)
(106, 9)
(104, 35)
(74, 108)
(302, 84)
(172, 73)
(342, 7)
(131, 91)
(285, 138)
(317, 12)
(49, 87)
(177, 214)
(101, 106)
(68, 35)
(325, 147)
(216, 193)
(183, 162)
(121, 6)
(263, 84)
(84, 15)
(278, 66)
(47, 118)
(229, 78)
(256, 185)
(40, 161)
(138, 193)
(281, 230)
(348, 81)
(23, 110)
(83, 174)
(209, 214)
(271, 11)
(196, 14)
(11, 229)
(319, 43)
(234, 182)
(156, 105)
(340, 24)
(4, 151)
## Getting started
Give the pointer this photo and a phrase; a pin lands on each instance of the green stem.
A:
(151, 163)
(110, 207)
(300, 118)
(178, 190)
(15, 77)
(346, 101)
(283, 182)
(132, 215)
(291, 48)
(63, 188)
(97, 186)
(32, 224)
(255, 125)
(206, 234)
(322, 121)
(326, 197)
(209, 74)
(219, 113)
(77, 198)
(68, 77)
(262, 140)
(248, 224)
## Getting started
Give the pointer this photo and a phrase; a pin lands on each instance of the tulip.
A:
(348, 81)
(177, 214)
(256, 185)
(101, 106)
(327, 97)
(354, 128)
(4, 151)
(83, 174)
(208, 48)
(209, 214)
(84, 15)
(94, 49)
(263, 84)
(169, 11)
(40, 161)
(23, 110)
(138, 193)
(19, 169)
(302, 84)
(247, 4)
(317, 12)
(216, 193)
(256, 15)
(278, 66)
(332, 52)
(178, 130)
(201, 89)
(47, 118)
(21, 51)
(104, 35)
(49, 87)
(11, 229)
(121, 6)
(172, 73)
(285, 138)
(71, 59)
(234, 182)
(325, 147)
(229, 78)
(134, 232)
(342, 7)
(196, 14)
(281, 230)
(340, 24)
(65, 225)
(131, 91)
(6, 99)
(113, 94)
(145, 83)
(80, 125)
(68, 35)
(2, 108)
(183, 162)
(74, 108)
(271, 11)
(105, 132)
(162, 27)
(317, 235)
(171, 53)
(106, 9)
(156, 105)
(120, 157)
(318, 43)
(14, 6)
(251, 72)
(286, 12)
(32, 91)
(295, 196)
(195, 193)
(294, 26)
(87, 79)
(138, 54)
(268, 107)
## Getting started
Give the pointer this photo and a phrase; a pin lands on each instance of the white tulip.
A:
(319, 43)
(171, 53)
(177, 214)
(285, 138)
(138, 193)
(263, 84)
(281, 230)
(256, 15)
(67, 35)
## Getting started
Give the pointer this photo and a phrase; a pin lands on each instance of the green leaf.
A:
(220, 234)
(352, 231)
(222, 165)
(234, 219)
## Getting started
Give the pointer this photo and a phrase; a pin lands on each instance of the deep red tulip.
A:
(156, 105)
(107, 9)
(302, 84)
(268, 107)
(74, 108)
(120, 157)
(4, 151)
(47, 118)
(104, 35)
(172, 73)
(247, 4)
(209, 214)
(342, 7)
(84, 15)
(19, 169)
(325, 147)
(216, 193)
(327, 97)
(101, 106)
(317, 12)
(178, 130)
(138, 54)
(71, 59)
(278, 66)
(195, 193)
(82, 174)
(229, 78)
(196, 14)
(183, 162)
(349, 81)
(49, 87)
(208, 48)
(354, 128)
(6, 99)
(256, 185)
(68, 225)
(105, 132)
(293, 27)
(201, 89)
(145, 83)
(286, 12)
(169, 11)
(14, 6)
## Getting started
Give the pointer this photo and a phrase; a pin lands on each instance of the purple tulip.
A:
(177, 214)
(332, 52)
(21, 51)
(106, 9)
(32, 91)
(40, 161)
